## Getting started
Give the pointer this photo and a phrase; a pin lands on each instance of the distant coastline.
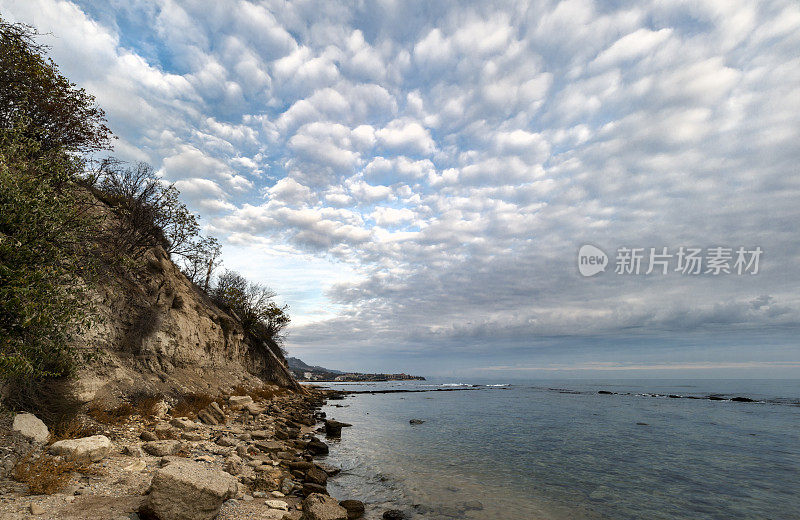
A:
(311, 373)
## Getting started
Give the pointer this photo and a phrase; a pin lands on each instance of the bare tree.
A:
(149, 213)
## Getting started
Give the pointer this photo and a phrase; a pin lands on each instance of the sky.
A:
(415, 179)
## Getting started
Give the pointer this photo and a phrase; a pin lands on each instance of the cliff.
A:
(156, 332)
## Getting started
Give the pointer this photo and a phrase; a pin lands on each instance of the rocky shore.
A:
(242, 455)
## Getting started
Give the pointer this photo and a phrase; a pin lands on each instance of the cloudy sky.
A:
(415, 178)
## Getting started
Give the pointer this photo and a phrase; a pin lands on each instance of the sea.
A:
(572, 449)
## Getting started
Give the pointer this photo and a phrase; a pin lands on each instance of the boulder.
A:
(253, 408)
(187, 490)
(327, 468)
(393, 514)
(317, 447)
(160, 409)
(355, 508)
(234, 465)
(212, 414)
(192, 436)
(30, 427)
(239, 400)
(148, 436)
(323, 507)
(133, 450)
(184, 424)
(226, 441)
(162, 448)
(334, 428)
(87, 449)
(310, 488)
(270, 446)
(316, 476)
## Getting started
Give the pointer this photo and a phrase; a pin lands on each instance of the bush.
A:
(149, 213)
(253, 304)
(37, 99)
(46, 229)
(46, 262)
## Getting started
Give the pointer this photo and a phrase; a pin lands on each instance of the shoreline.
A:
(269, 447)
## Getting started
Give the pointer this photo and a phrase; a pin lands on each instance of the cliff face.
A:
(157, 332)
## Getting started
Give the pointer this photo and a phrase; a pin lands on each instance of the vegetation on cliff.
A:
(67, 224)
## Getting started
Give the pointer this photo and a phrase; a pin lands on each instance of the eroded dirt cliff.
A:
(158, 333)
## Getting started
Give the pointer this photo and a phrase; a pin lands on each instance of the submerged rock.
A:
(334, 428)
(393, 514)
(317, 447)
(473, 505)
(315, 475)
(416, 421)
(355, 508)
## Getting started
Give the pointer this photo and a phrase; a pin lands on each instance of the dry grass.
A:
(117, 415)
(262, 393)
(74, 428)
(145, 404)
(190, 404)
(45, 475)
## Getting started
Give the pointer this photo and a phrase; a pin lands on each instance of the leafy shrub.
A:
(35, 97)
(47, 256)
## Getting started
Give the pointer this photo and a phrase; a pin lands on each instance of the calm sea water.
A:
(559, 450)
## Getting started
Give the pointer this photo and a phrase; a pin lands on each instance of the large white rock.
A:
(322, 507)
(187, 490)
(30, 427)
(87, 449)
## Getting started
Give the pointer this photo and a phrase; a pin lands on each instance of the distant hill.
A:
(296, 364)
(305, 372)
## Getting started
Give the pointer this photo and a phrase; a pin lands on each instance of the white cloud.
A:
(404, 135)
(455, 159)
